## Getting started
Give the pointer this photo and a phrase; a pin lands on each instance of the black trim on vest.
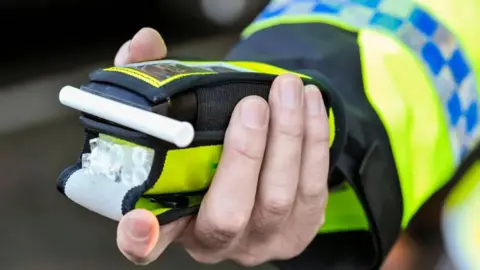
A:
(367, 164)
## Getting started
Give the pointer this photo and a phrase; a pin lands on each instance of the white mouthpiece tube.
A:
(164, 128)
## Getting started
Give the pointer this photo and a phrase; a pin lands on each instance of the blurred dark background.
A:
(48, 44)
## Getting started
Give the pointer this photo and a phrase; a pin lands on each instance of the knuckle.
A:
(219, 238)
(241, 146)
(276, 205)
(311, 194)
(291, 129)
(315, 192)
(318, 134)
(219, 233)
(259, 225)
(315, 209)
(248, 151)
(319, 141)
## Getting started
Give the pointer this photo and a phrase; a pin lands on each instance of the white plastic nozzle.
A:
(164, 128)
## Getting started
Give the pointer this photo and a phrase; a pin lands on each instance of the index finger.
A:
(227, 206)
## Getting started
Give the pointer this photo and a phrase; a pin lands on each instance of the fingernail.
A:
(313, 100)
(138, 228)
(254, 113)
(291, 92)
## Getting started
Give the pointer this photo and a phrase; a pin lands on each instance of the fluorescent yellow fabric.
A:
(399, 88)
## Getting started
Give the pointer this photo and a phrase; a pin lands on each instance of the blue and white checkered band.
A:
(438, 49)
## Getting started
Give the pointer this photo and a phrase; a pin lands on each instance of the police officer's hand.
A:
(268, 197)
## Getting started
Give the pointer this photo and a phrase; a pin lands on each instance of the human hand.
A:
(268, 196)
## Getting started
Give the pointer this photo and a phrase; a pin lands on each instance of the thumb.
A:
(146, 45)
(140, 238)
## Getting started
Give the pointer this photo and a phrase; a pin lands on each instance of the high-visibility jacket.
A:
(408, 72)
(400, 78)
